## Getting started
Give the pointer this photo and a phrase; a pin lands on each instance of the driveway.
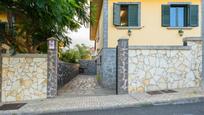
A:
(84, 85)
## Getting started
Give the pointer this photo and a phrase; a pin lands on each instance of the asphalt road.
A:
(183, 109)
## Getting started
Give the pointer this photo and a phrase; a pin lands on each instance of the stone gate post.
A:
(52, 67)
(122, 67)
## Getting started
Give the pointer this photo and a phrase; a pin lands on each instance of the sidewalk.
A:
(57, 105)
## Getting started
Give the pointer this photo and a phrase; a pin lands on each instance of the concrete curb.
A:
(180, 101)
(135, 105)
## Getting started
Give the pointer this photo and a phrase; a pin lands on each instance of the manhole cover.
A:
(168, 91)
(13, 106)
(154, 92)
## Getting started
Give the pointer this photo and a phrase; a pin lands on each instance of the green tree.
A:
(84, 51)
(75, 54)
(37, 20)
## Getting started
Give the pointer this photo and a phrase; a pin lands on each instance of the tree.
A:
(75, 54)
(37, 20)
(84, 51)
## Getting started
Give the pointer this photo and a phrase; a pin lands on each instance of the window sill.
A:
(178, 28)
(131, 27)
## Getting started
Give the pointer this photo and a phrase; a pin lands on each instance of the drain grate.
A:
(154, 92)
(13, 106)
(160, 92)
(168, 91)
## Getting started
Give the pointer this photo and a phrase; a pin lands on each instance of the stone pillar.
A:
(122, 67)
(52, 67)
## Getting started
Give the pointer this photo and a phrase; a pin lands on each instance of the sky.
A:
(81, 36)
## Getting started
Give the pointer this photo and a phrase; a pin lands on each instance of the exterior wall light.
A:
(180, 32)
(129, 32)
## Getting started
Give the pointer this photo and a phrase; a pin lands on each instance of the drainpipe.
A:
(202, 32)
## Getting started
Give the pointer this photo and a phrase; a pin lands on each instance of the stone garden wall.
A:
(66, 72)
(24, 77)
(106, 68)
(88, 66)
(156, 68)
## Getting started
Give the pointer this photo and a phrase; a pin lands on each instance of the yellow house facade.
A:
(166, 27)
(150, 30)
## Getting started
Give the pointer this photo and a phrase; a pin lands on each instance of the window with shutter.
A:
(133, 15)
(165, 15)
(193, 16)
(126, 14)
(116, 14)
(180, 15)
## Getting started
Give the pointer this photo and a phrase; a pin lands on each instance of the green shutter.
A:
(133, 17)
(193, 15)
(165, 15)
(116, 14)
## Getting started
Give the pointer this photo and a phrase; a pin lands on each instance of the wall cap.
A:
(52, 38)
(25, 55)
(192, 39)
(159, 48)
(123, 39)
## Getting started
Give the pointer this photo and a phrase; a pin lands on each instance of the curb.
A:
(180, 101)
(121, 106)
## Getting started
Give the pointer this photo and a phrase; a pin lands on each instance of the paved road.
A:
(187, 109)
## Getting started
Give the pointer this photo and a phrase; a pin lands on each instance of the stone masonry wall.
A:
(106, 68)
(24, 77)
(156, 68)
(89, 67)
(66, 72)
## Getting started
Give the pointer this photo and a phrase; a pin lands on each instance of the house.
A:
(161, 26)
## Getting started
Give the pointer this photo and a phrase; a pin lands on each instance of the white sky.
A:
(81, 36)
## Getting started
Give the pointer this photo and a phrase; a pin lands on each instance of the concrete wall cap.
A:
(52, 38)
(25, 55)
(192, 39)
(159, 48)
(123, 39)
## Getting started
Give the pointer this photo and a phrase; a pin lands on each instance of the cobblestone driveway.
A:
(84, 85)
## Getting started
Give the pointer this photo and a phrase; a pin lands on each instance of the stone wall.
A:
(24, 77)
(88, 66)
(66, 72)
(156, 68)
(106, 68)
(109, 68)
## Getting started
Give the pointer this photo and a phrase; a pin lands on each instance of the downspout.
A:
(202, 35)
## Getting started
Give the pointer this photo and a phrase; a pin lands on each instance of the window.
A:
(182, 15)
(178, 16)
(126, 14)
